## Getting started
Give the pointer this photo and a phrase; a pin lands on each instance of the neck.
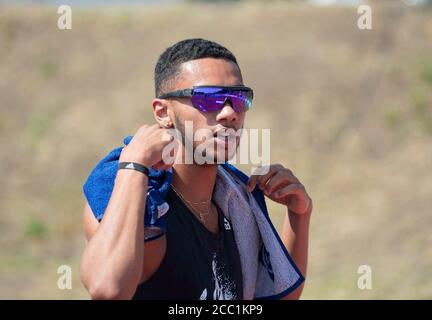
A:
(194, 182)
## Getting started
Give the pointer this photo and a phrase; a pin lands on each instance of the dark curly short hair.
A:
(167, 66)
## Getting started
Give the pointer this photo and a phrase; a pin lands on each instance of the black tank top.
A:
(198, 264)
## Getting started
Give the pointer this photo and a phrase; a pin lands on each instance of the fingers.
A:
(148, 145)
(281, 179)
(292, 189)
(264, 179)
(260, 179)
(276, 175)
(277, 181)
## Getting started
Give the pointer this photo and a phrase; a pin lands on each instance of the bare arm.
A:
(112, 261)
(295, 236)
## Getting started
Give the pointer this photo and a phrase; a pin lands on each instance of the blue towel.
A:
(100, 184)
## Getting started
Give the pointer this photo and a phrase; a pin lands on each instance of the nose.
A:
(227, 113)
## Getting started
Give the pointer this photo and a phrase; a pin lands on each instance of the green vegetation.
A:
(35, 229)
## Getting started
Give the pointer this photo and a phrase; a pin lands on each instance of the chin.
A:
(223, 155)
(215, 153)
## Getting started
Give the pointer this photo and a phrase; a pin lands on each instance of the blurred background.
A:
(350, 112)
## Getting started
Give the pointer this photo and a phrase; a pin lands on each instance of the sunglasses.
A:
(213, 98)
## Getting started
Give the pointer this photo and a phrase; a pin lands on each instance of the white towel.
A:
(268, 270)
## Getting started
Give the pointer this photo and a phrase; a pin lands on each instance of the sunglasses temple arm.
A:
(177, 94)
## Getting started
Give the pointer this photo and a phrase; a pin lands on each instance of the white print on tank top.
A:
(227, 224)
(225, 288)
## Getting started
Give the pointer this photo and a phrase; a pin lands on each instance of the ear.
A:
(162, 113)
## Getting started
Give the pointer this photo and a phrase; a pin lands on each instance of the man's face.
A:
(208, 71)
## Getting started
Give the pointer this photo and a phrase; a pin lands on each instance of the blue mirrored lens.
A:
(209, 99)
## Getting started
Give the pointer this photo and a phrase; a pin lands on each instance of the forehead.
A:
(209, 71)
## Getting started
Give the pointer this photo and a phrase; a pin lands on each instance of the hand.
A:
(146, 147)
(280, 185)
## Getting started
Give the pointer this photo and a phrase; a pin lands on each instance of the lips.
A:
(226, 136)
(224, 133)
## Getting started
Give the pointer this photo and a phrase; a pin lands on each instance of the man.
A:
(198, 257)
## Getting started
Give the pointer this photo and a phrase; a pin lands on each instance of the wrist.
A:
(299, 222)
(124, 157)
(134, 166)
(303, 216)
(306, 213)
(131, 178)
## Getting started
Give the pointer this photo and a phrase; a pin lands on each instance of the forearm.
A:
(295, 236)
(113, 259)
